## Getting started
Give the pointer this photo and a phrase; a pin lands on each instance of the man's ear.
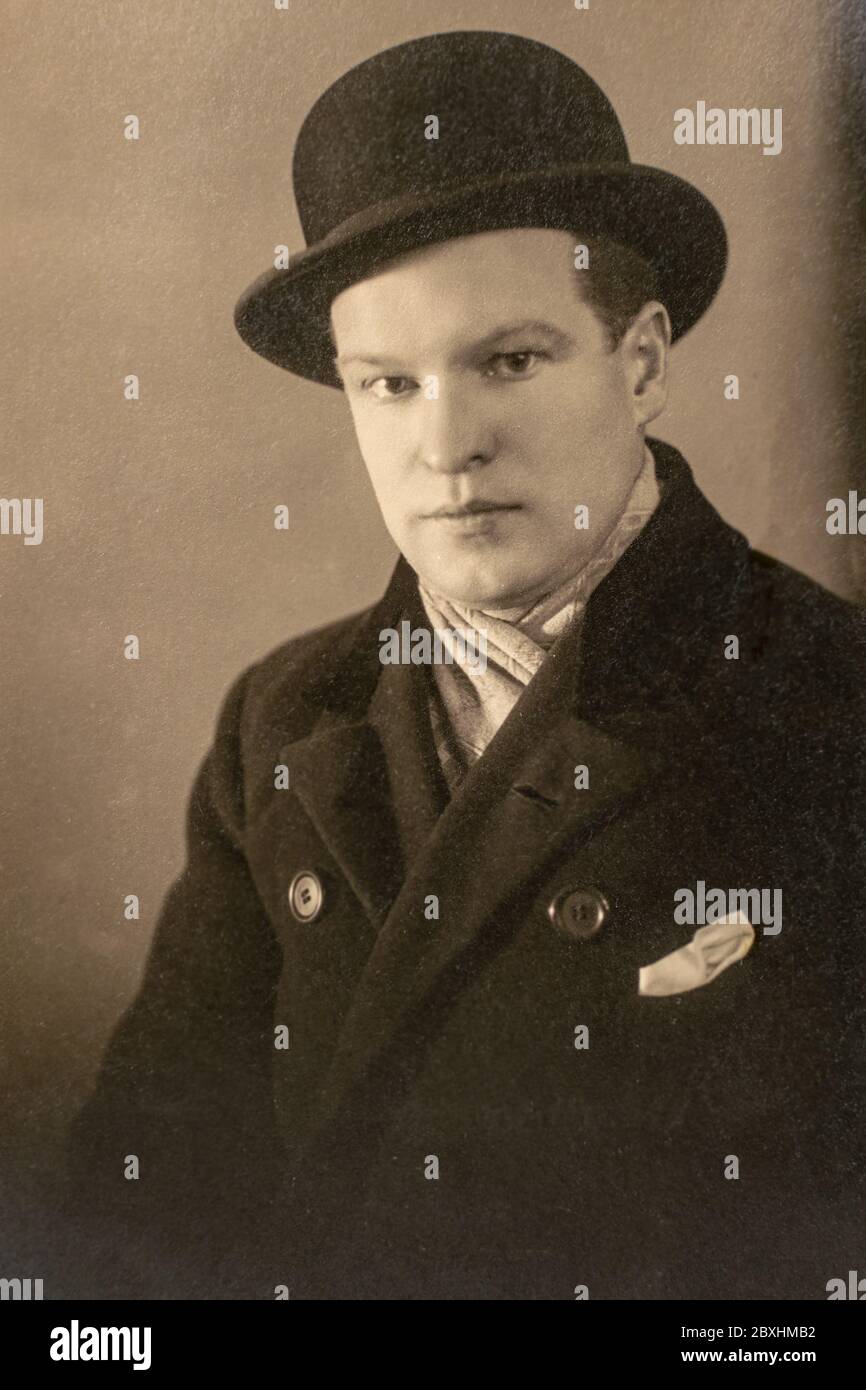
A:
(645, 347)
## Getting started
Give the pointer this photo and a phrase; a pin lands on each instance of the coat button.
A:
(579, 912)
(306, 896)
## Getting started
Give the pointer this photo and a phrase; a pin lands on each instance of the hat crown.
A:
(505, 105)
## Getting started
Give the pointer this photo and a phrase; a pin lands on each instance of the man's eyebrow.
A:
(345, 359)
(505, 330)
(538, 326)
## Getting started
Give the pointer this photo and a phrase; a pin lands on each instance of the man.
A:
(541, 975)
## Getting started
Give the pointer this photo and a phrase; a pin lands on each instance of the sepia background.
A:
(127, 257)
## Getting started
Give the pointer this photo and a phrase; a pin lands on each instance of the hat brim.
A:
(284, 315)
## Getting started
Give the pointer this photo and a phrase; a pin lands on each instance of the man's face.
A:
(476, 378)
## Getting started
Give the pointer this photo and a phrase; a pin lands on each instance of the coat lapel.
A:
(368, 776)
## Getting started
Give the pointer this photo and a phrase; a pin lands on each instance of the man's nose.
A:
(454, 435)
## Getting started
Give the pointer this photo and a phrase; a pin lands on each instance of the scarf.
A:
(470, 700)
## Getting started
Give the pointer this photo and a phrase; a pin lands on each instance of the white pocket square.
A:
(711, 950)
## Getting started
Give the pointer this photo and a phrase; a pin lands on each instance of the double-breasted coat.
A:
(479, 1104)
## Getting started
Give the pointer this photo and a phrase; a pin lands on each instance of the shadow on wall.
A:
(849, 234)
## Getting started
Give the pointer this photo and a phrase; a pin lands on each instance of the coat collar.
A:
(368, 775)
(650, 622)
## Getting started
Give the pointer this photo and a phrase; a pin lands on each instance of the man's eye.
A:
(387, 387)
(514, 363)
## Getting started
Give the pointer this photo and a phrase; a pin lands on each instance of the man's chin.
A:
(490, 592)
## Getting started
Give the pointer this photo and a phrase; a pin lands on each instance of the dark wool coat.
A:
(411, 1038)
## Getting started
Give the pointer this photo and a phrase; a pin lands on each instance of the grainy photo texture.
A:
(436, 654)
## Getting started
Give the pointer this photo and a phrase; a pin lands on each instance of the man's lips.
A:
(470, 509)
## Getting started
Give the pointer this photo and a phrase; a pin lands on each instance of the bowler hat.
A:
(526, 138)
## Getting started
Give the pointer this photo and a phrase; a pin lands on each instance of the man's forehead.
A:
(467, 291)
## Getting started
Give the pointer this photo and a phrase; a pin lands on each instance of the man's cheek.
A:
(382, 464)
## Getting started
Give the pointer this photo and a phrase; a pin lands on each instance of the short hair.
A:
(615, 285)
